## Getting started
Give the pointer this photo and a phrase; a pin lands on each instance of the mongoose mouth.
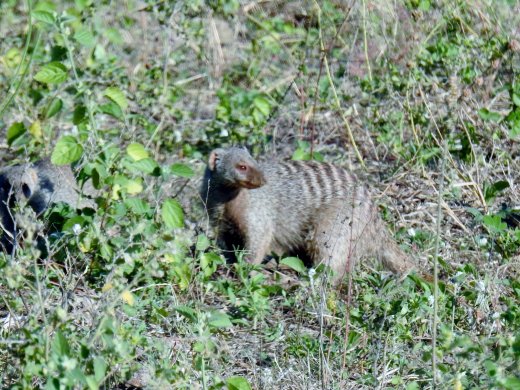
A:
(251, 184)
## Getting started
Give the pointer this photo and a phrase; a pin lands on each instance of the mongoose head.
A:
(235, 167)
(24, 184)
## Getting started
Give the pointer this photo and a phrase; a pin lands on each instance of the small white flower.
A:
(482, 241)
(412, 232)
(76, 229)
(458, 145)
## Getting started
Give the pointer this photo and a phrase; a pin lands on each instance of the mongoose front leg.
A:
(258, 244)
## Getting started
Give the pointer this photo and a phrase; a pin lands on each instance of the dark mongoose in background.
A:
(38, 185)
(317, 209)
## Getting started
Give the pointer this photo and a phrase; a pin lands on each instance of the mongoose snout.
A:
(284, 207)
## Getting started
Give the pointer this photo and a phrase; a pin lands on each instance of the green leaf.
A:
(54, 107)
(202, 242)
(100, 368)
(134, 187)
(36, 129)
(301, 155)
(514, 128)
(263, 105)
(258, 117)
(477, 214)
(219, 320)
(494, 223)
(66, 151)
(182, 170)
(60, 345)
(79, 115)
(114, 36)
(209, 262)
(238, 383)
(412, 386)
(295, 264)
(512, 383)
(112, 109)
(44, 16)
(136, 151)
(15, 131)
(424, 5)
(183, 274)
(52, 384)
(85, 37)
(516, 99)
(45, 5)
(489, 115)
(146, 165)
(75, 375)
(117, 96)
(172, 214)
(138, 206)
(100, 53)
(67, 18)
(52, 73)
(69, 224)
(92, 383)
(187, 312)
(491, 192)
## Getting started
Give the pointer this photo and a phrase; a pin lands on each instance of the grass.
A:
(135, 95)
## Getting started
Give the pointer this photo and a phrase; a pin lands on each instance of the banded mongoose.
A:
(38, 185)
(296, 206)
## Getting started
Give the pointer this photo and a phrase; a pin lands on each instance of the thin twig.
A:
(337, 102)
(436, 265)
(365, 40)
(22, 60)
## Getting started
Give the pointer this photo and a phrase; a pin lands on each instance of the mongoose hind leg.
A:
(340, 236)
(345, 233)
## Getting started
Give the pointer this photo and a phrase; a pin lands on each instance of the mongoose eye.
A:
(242, 167)
(26, 190)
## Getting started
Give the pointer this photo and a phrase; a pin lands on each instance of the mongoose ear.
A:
(213, 159)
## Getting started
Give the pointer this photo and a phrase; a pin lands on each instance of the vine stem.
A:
(80, 85)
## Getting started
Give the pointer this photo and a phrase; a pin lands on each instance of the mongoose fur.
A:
(38, 185)
(317, 209)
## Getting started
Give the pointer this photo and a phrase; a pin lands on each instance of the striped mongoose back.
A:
(296, 206)
(38, 185)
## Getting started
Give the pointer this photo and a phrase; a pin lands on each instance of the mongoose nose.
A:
(254, 180)
(258, 180)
